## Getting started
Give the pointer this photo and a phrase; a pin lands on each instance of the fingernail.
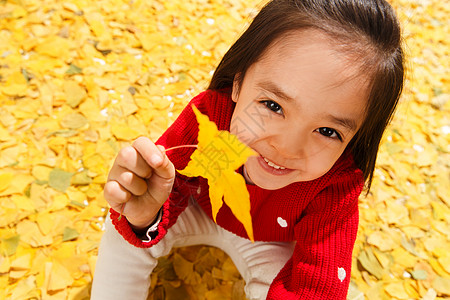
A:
(156, 159)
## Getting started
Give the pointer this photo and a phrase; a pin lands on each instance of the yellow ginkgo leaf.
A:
(5, 180)
(218, 155)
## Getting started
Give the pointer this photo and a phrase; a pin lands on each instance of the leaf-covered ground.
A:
(80, 79)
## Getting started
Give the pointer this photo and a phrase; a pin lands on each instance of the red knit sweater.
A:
(321, 215)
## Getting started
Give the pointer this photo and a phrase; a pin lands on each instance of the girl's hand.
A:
(142, 176)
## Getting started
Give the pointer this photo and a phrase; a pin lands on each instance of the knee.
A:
(256, 290)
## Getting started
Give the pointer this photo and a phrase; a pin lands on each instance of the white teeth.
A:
(273, 165)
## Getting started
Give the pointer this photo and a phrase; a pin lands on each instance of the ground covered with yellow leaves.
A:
(80, 79)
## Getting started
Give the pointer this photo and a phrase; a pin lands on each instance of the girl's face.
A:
(298, 107)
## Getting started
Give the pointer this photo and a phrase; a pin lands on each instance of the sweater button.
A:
(341, 274)
(282, 222)
(199, 190)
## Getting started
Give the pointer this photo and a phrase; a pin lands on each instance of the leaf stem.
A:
(121, 211)
(181, 146)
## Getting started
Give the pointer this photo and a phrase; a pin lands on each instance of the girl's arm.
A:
(321, 263)
(183, 131)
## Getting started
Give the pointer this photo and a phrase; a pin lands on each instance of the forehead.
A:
(315, 53)
(313, 48)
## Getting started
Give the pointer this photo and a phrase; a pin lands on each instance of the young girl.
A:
(310, 86)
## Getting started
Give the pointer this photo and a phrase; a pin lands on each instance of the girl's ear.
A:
(235, 89)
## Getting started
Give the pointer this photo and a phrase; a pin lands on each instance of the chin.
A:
(270, 186)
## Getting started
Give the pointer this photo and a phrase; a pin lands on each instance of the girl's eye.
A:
(273, 106)
(329, 132)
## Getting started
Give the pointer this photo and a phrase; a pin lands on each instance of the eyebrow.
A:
(271, 87)
(274, 89)
(348, 123)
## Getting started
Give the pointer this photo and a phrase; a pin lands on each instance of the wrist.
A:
(144, 218)
(149, 232)
(141, 228)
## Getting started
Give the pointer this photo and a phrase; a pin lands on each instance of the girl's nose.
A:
(290, 143)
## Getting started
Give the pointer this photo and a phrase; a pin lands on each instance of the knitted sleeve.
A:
(321, 263)
(183, 131)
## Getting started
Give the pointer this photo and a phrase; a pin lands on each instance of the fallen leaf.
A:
(70, 234)
(442, 285)
(81, 178)
(59, 179)
(381, 240)
(4, 135)
(74, 121)
(74, 93)
(23, 203)
(41, 173)
(370, 263)
(54, 46)
(419, 274)
(5, 264)
(22, 262)
(18, 185)
(444, 260)
(437, 267)
(45, 223)
(185, 270)
(16, 85)
(57, 276)
(29, 233)
(397, 290)
(73, 69)
(123, 132)
(10, 244)
(222, 292)
(5, 180)
(24, 289)
(59, 202)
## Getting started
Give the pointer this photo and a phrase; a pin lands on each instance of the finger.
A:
(129, 158)
(161, 148)
(160, 184)
(165, 169)
(155, 157)
(128, 180)
(115, 194)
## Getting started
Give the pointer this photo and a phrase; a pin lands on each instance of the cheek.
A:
(322, 162)
(240, 127)
(248, 123)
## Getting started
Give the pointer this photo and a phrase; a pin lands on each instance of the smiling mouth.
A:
(273, 168)
(273, 165)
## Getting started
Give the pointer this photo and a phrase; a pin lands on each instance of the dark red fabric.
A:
(321, 215)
